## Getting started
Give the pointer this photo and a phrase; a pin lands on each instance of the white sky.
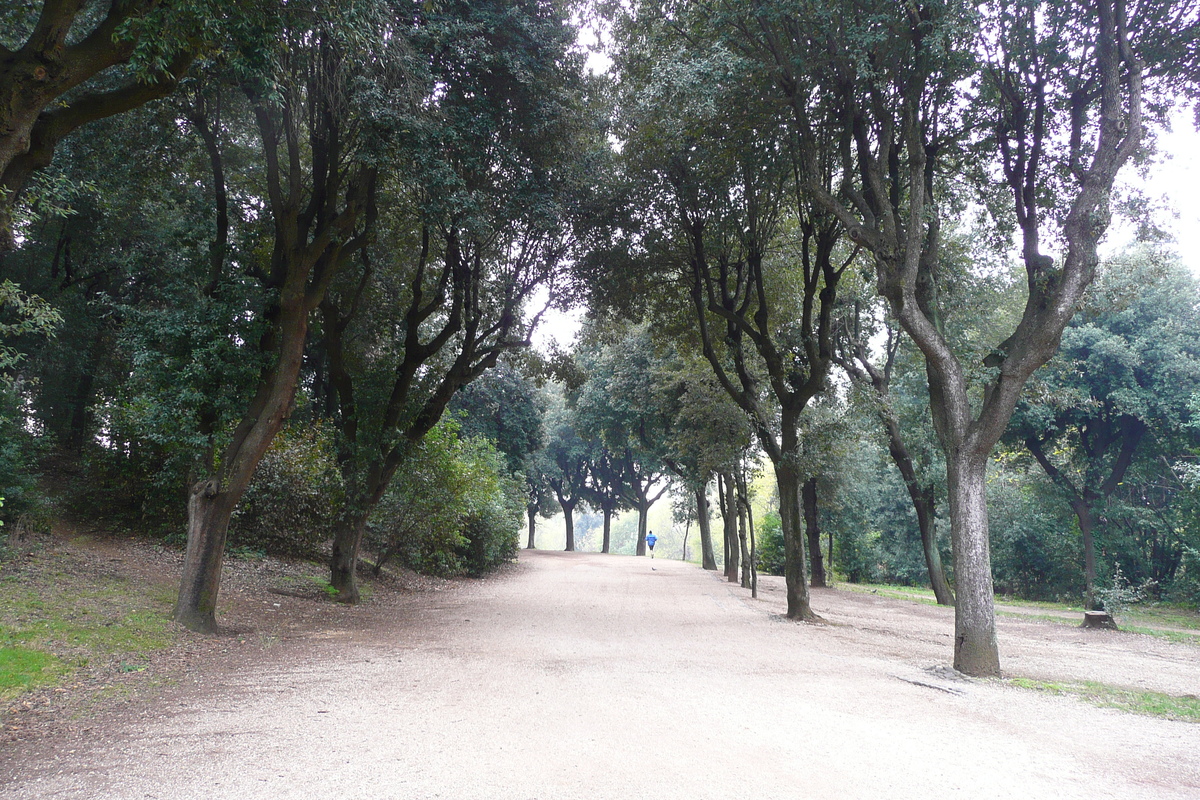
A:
(1174, 179)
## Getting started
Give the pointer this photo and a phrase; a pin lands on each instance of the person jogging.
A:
(650, 540)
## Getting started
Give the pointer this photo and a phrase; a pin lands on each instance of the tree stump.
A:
(1099, 619)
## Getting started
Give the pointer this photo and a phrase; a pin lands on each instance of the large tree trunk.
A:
(531, 512)
(708, 559)
(569, 519)
(729, 518)
(812, 529)
(975, 648)
(343, 563)
(212, 501)
(209, 510)
(796, 564)
(1087, 529)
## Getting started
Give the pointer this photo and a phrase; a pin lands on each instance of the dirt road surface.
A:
(589, 677)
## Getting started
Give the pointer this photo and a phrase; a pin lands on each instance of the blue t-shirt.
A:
(650, 540)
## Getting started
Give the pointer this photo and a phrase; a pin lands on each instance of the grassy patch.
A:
(56, 621)
(1179, 637)
(1135, 701)
(1163, 615)
(22, 668)
(323, 584)
(916, 594)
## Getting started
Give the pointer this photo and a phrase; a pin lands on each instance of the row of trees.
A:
(340, 216)
(1103, 441)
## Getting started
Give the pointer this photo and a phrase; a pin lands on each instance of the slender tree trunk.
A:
(796, 563)
(729, 518)
(687, 529)
(975, 649)
(708, 559)
(531, 512)
(643, 524)
(812, 528)
(829, 550)
(569, 518)
(744, 542)
(1087, 529)
(608, 512)
(753, 554)
(924, 505)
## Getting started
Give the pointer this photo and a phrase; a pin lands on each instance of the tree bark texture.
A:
(343, 562)
(729, 517)
(569, 520)
(608, 512)
(209, 510)
(812, 529)
(795, 560)
(531, 513)
(975, 648)
(708, 559)
(1087, 532)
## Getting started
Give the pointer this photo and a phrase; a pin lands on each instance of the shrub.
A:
(770, 544)
(451, 509)
(293, 502)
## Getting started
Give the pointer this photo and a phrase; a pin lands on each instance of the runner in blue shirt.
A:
(650, 540)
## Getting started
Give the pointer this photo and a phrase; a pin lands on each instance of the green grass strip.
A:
(1152, 704)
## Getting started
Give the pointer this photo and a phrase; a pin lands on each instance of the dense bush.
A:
(295, 497)
(770, 544)
(451, 509)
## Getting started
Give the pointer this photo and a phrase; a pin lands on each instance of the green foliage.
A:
(451, 509)
(1120, 594)
(295, 498)
(770, 544)
(1036, 549)
(504, 407)
(19, 452)
(21, 315)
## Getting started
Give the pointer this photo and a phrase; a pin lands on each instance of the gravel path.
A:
(591, 677)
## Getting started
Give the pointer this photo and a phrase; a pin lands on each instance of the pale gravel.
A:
(584, 676)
